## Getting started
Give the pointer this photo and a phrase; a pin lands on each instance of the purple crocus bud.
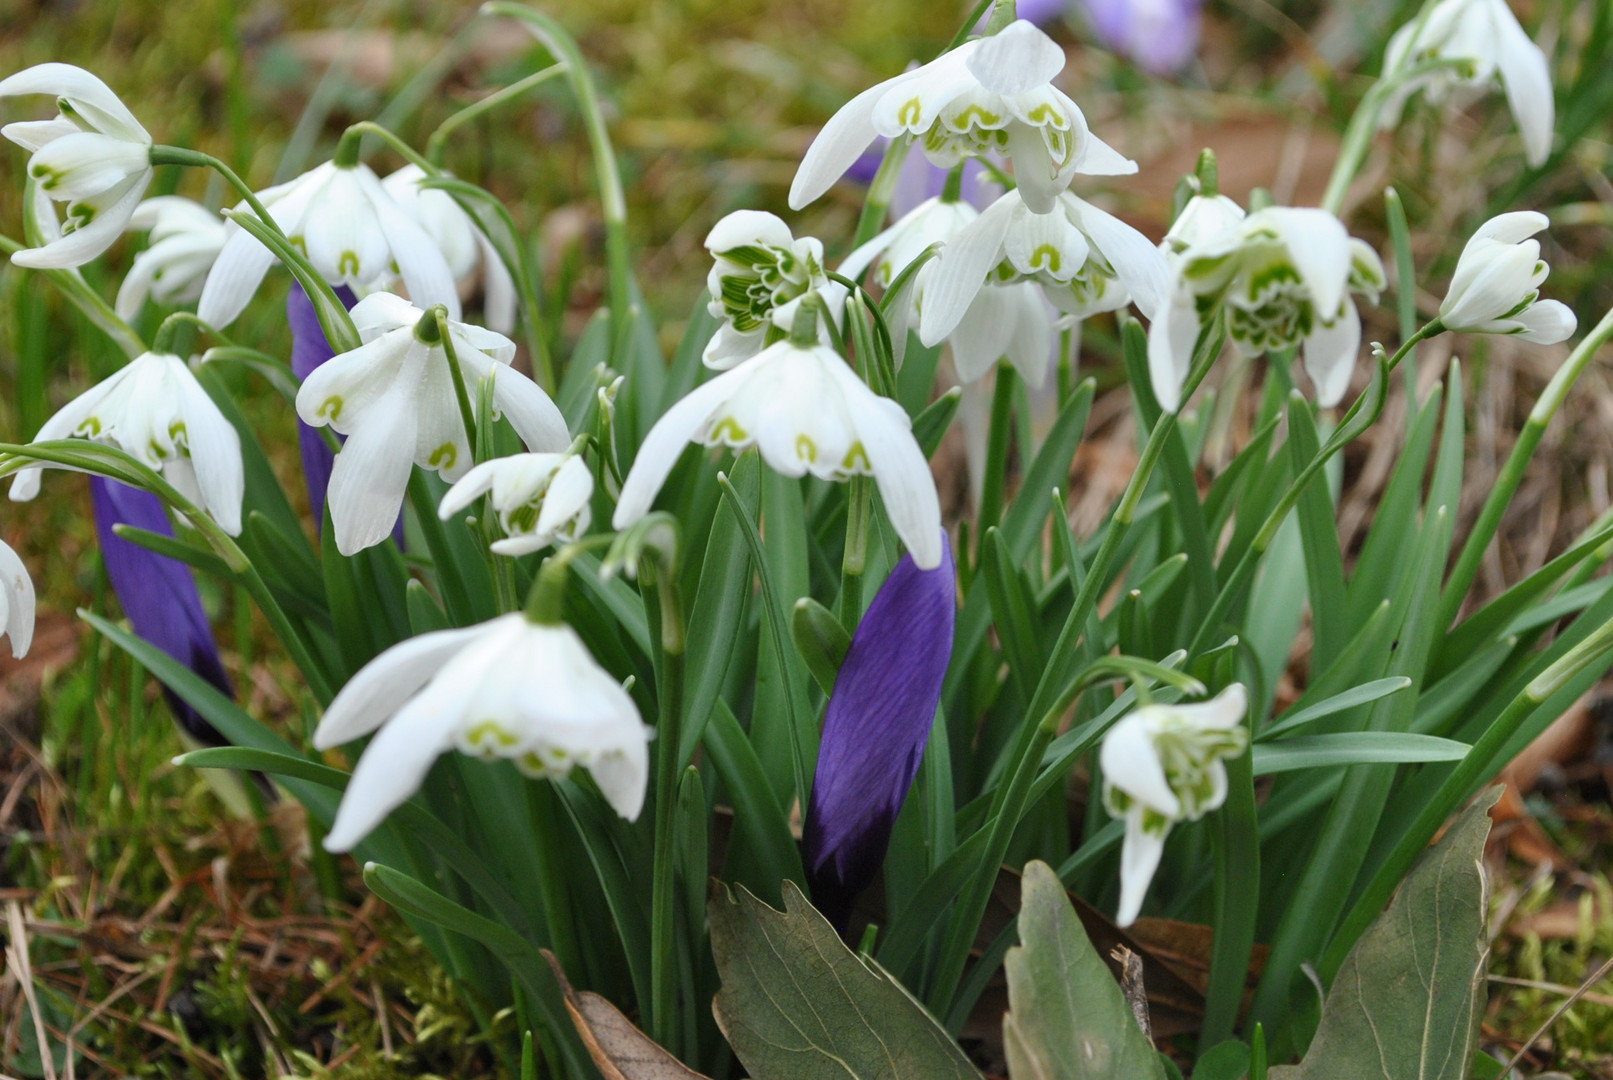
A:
(878, 722)
(1160, 36)
(158, 595)
(309, 349)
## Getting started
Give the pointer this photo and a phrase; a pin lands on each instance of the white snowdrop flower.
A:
(16, 602)
(508, 688)
(185, 239)
(1203, 219)
(990, 95)
(1486, 40)
(760, 273)
(540, 499)
(806, 411)
(353, 233)
(1085, 260)
(1496, 287)
(1163, 764)
(94, 156)
(462, 244)
(1280, 277)
(394, 398)
(155, 411)
(1000, 321)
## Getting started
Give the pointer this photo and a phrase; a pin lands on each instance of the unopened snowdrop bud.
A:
(760, 274)
(1482, 42)
(94, 156)
(990, 95)
(1496, 288)
(806, 411)
(186, 238)
(394, 398)
(353, 233)
(16, 601)
(155, 411)
(509, 688)
(1163, 764)
(462, 244)
(541, 499)
(1202, 220)
(1281, 277)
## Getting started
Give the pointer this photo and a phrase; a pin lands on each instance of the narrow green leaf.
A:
(822, 641)
(1360, 695)
(762, 854)
(1319, 535)
(1353, 748)
(930, 426)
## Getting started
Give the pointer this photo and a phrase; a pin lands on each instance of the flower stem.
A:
(998, 434)
(880, 191)
(663, 1025)
(437, 141)
(467, 415)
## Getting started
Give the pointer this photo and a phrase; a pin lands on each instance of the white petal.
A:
(985, 334)
(745, 227)
(1170, 348)
(1030, 350)
(215, 453)
(18, 589)
(1041, 179)
(31, 135)
(468, 488)
(80, 246)
(235, 276)
(1548, 322)
(1526, 76)
(86, 163)
(1140, 853)
(728, 346)
(1131, 764)
(853, 265)
(1318, 247)
(1098, 158)
(498, 288)
(1017, 59)
(1511, 228)
(530, 411)
(88, 94)
(900, 471)
(961, 269)
(371, 473)
(381, 687)
(622, 776)
(1330, 354)
(342, 390)
(567, 496)
(841, 142)
(664, 442)
(420, 262)
(383, 312)
(913, 101)
(1140, 265)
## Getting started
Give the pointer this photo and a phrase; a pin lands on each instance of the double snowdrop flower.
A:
(186, 238)
(540, 499)
(1163, 764)
(1085, 260)
(1280, 277)
(1484, 38)
(806, 412)
(155, 411)
(353, 234)
(989, 95)
(94, 156)
(394, 398)
(16, 602)
(509, 688)
(462, 244)
(1496, 288)
(759, 276)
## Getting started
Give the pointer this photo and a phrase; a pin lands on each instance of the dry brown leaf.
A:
(620, 1049)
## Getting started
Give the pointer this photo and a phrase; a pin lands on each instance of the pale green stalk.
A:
(437, 141)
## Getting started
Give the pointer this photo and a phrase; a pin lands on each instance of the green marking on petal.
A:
(491, 737)
(856, 460)
(910, 112)
(729, 432)
(347, 265)
(444, 456)
(805, 448)
(330, 408)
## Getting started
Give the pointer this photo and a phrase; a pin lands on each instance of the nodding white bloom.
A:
(1203, 219)
(1496, 288)
(1486, 40)
(1000, 321)
(991, 95)
(507, 688)
(155, 411)
(94, 156)
(462, 244)
(759, 275)
(1163, 764)
(806, 412)
(185, 239)
(1086, 261)
(16, 601)
(394, 398)
(353, 233)
(1281, 277)
(540, 498)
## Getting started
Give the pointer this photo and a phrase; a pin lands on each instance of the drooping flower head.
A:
(155, 411)
(16, 602)
(353, 233)
(992, 95)
(876, 728)
(1484, 37)
(94, 156)
(759, 276)
(1496, 287)
(394, 399)
(806, 411)
(508, 688)
(1280, 277)
(1159, 36)
(186, 238)
(1163, 764)
(541, 499)
(462, 244)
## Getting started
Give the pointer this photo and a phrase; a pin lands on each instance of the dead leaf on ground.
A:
(620, 1049)
(55, 645)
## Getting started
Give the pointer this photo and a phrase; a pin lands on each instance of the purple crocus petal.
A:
(158, 595)
(1040, 12)
(919, 180)
(866, 167)
(309, 349)
(1160, 36)
(878, 722)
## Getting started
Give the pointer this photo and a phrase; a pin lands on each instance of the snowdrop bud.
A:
(155, 411)
(1496, 287)
(94, 156)
(540, 499)
(1163, 764)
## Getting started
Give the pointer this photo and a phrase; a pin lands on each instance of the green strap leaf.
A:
(1353, 748)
